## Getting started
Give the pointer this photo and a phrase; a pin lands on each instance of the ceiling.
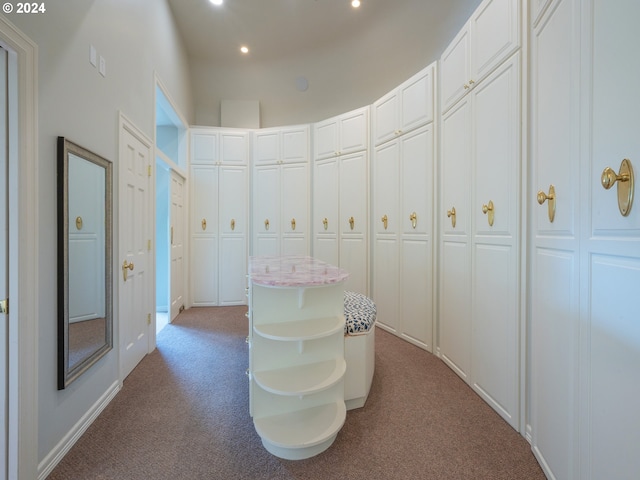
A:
(277, 29)
(309, 59)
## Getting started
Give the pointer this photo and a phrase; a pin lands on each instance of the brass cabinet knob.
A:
(293, 224)
(233, 224)
(385, 221)
(452, 215)
(489, 211)
(551, 199)
(204, 224)
(414, 219)
(79, 223)
(325, 223)
(351, 222)
(625, 185)
(266, 224)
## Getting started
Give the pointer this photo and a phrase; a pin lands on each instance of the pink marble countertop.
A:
(293, 271)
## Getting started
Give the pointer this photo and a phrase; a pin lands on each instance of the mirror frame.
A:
(65, 374)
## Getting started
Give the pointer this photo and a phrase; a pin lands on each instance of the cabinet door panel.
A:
(233, 200)
(204, 270)
(325, 197)
(326, 139)
(495, 34)
(385, 282)
(495, 329)
(204, 148)
(416, 101)
(456, 166)
(204, 191)
(385, 200)
(455, 311)
(353, 194)
(416, 292)
(353, 258)
(234, 147)
(496, 114)
(295, 145)
(385, 118)
(266, 147)
(295, 198)
(233, 270)
(266, 199)
(417, 182)
(325, 248)
(353, 131)
(454, 70)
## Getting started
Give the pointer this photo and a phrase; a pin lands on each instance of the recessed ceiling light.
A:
(216, 2)
(244, 49)
(354, 3)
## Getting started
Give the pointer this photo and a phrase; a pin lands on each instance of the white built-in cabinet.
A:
(219, 216)
(340, 195)
(491, 35)
(584, 241)
(481, 168)
(403, 194)
(281, 191)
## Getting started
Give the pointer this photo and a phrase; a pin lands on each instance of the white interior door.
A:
(4, 256)
(177, 234)
(610, 343)
(135, 282)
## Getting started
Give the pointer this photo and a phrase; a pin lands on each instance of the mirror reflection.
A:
(84, 248)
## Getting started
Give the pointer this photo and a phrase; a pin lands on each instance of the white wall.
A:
(136, 37)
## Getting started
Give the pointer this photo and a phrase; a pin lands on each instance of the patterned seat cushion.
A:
(359, 313)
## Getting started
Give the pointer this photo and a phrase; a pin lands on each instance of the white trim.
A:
(62, 448)
(23, 281)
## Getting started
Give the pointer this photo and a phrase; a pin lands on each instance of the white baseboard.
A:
(62, 448)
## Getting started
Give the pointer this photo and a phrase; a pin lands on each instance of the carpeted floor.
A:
(183, 414)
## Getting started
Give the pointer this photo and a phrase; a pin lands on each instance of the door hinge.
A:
(148, 319)
(149, 170)
(4, 306)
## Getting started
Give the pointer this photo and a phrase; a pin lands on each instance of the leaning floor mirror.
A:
(85, 310)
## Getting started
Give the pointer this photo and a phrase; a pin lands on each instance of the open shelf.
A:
(302, 379)
(303, 433)
(301, 329)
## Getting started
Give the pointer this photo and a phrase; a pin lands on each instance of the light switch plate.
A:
(93, 56)
(103, 66)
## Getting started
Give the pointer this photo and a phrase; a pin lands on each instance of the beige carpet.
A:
(183, 414)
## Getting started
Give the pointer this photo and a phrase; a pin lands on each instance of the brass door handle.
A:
(325, 222)
(266, 224)
(79, 223)
(233, 224)
(414, 219)
(351, 222)
(551, 199)
(625, 185)
(452, 215)
(204, 224)
(385, 221)
(293, 224)
(488, 210)
(125, 267)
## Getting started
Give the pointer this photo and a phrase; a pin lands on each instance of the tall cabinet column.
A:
(340, 195)
(219, 216)
(402, 203)
(481, 169)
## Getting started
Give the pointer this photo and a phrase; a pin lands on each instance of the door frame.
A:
(24, 273)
